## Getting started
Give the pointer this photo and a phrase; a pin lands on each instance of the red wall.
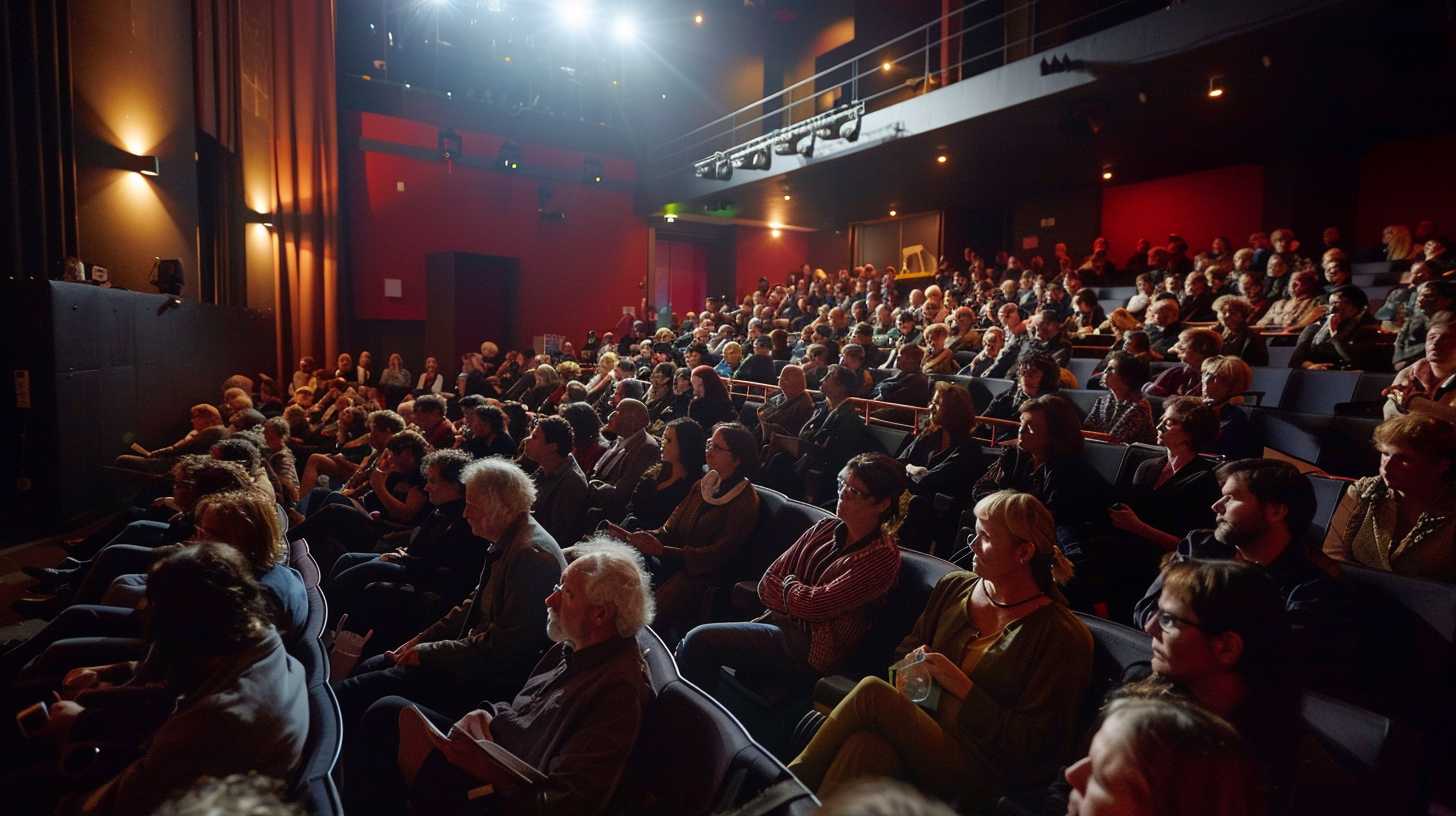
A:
(1404, 183)
(760, 254)
(1228, 201)
(682, 275)
(574, 275)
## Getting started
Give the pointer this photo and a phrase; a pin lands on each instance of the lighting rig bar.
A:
(757, 153)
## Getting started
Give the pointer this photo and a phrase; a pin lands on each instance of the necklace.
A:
(1001, 605)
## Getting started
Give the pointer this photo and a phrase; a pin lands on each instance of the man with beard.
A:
(575, 720)
(1263, 517)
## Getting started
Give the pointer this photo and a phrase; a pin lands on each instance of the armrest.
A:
(830, 690)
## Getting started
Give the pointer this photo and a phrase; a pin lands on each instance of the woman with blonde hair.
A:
(1235, 314)
(1007, 664)
(603, 379)
(1399, 247)
(1226, 379)
(1402, 520)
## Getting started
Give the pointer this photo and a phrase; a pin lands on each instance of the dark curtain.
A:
(37, 146)
(216, 87)
(306, 181)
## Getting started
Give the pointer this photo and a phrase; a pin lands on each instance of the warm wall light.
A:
(146, 165)
(892, 212)
(1107, 172)
(942, 159)
(1215, 86)
(886, 66)
(788, 197)
(252, 217)
(775, 232)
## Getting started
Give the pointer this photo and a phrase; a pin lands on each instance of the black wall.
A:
(105, 368)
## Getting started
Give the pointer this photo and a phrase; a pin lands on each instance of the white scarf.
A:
(708, 487)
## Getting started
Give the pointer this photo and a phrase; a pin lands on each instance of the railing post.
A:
(925, 47)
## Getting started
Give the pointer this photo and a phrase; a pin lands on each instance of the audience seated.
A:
(560, 494)
(620, 469)
(1302, 307)
(485, 646)
(710, 404)
(217, 695)
(1123, 413)
(1225, 380)
(1347, 339)
(909, 385)
(1263, 515)
(664, 485)
(1164, 756)
(207, 430)
(1404, 519)
(696, 550)
(805, 466)
(1163, 327)
(820, 593)
(1036, 375)
(399, 592)
(942, 458)
(1429, 385)
(1432, 299)
(1006, 663)
(786, 411)
(575, 719)
(1186, 377)
(993, 340)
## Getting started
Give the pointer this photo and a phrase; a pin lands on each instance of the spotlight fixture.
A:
(509, 157)
(723, 169)
(624, 30)
(146, 165)
(758, 159)
(806, 145)
(784, 145)
(1215, 86)
(1107, 172)
(849, 131)
(591, 171)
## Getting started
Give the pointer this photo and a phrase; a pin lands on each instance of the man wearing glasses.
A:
(1262, 517)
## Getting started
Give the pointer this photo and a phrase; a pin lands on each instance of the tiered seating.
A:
(693, 757)
(312, 785)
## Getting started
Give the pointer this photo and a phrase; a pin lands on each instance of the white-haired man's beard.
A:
(556, 630)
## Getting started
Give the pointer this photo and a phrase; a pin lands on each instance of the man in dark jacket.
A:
(487, 644)
(759, 367)
(910, 386)
(1348, 339)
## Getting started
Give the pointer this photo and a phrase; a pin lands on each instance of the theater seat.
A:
(1377, 764)
(1410, 659)
(1105, 457)
(1082, 398)
(694, 758)
(889, 439)
(303, 561)
(1327, 495)
(1272, 381)
(313, 786)
(1318, 392)
(1082, 368)
(781, 520)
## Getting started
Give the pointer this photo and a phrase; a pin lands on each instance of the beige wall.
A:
(132, 69)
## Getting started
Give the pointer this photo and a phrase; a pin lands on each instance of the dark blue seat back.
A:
(312, 785)
(1318, 392)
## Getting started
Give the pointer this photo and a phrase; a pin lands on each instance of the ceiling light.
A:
(1215, 86)
(624, 30)
(669, 218)
(1107, 172)
(886, 66)
(787, 197)
(892, 212)
(942, 159)
(698, 18)
(775, 232)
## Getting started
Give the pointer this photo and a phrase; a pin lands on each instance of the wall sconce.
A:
(266, 219)
(146, 165)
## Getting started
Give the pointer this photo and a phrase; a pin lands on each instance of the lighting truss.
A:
(757, 153)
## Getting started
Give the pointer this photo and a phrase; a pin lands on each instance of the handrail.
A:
(870, 405)
(670, 153)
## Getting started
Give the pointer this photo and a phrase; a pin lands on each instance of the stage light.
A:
(849, 131)
(758, 159)
(1107, 172)
(573, 14)
(723, 169)
(784, 145)
(942, 159)
(624, 30)
(698, 18)
(806, 146)
(1215, 86)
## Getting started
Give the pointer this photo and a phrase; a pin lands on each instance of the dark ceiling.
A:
(1354, 75)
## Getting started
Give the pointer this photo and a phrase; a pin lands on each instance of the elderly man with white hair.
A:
(485, 646)
(575, 720)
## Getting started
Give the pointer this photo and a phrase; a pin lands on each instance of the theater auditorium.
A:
(728, 407)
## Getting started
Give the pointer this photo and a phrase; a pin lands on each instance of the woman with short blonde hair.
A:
(1009, 662)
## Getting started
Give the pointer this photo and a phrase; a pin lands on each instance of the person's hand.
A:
(916, 472)
(79, 680)
(394, 555)
(476, 724)
(374, 515)
(1317, 366)
(1336, 320)
(396, 655)
(63, 716)
(947, 674)
(379, 478)
(1123, 518)
(645, 542)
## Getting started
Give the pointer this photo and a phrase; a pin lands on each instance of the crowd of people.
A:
(495, 542)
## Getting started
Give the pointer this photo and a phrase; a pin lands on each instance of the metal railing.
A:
(853, 81)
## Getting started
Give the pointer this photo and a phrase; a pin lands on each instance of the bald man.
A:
(616, 474)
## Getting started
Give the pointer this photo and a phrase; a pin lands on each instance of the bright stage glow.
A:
(573, 14)
(624, 30)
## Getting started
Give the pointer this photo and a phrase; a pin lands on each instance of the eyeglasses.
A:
(846, 488)
(1170, 623)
